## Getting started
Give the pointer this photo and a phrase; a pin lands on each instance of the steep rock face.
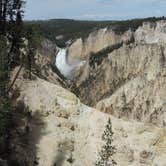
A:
(65, 132)
(95, 42)
(151, 32)
(58, 128)
(128, 81)
(48, 49)
(139, 72)
(132, 77)
(138, 99)
(45, 59)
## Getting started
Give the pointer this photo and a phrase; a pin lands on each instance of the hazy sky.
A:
(94, 9)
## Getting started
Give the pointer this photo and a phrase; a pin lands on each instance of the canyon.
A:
(107, 74)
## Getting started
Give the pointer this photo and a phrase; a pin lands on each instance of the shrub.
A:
(108, 150)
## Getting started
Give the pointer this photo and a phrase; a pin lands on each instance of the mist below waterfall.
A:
(64, 67)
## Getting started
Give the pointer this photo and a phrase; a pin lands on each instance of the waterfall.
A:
(64, 67)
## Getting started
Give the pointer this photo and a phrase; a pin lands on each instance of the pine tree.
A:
(11, 24)
(31, 37)
(3, 14)
(4, 101)
(3, 65)
(15, 31)
(10, 43)
(32, 34)
(108, 150)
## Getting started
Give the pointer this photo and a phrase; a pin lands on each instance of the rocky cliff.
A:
(130, 73)
(123, 77)
(96, 41)
(149, 32)
(57, 129)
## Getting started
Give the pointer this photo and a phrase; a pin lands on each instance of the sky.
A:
(94, 9)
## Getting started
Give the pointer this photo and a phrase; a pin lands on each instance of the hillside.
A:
(65, 132)
(63, 30)
(113, 70)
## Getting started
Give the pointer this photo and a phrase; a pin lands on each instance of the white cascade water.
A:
(61, 63)
(64, 67)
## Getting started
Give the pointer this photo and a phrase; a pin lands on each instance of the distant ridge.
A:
(71, 29)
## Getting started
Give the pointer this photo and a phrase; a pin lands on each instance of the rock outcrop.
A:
(131, 76)
(96, 41)
(45, 59)
(149, 32)
(60, 126)
(124, 78)
(63, 131)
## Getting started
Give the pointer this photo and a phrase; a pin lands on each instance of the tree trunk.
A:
(4, 16)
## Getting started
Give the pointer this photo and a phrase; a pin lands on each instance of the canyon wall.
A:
(52, 127)
(149, 32)
(131, 76)
(123, 77)
(96, 41)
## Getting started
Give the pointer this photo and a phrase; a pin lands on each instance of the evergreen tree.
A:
(3, 65)
(33, 42)
(108, 150)
(11, 13)
(4, 101)
(15, 31)
(10, 43)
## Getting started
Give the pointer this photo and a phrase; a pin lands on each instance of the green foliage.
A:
(10, 41)
(33, 40)
(108, 150)
(122, 26)
(14, 30)
(102, 54)
(4, 102)
(4, 117)
(72, 29)
(68, 29)
(32, 34)
(3, 65)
